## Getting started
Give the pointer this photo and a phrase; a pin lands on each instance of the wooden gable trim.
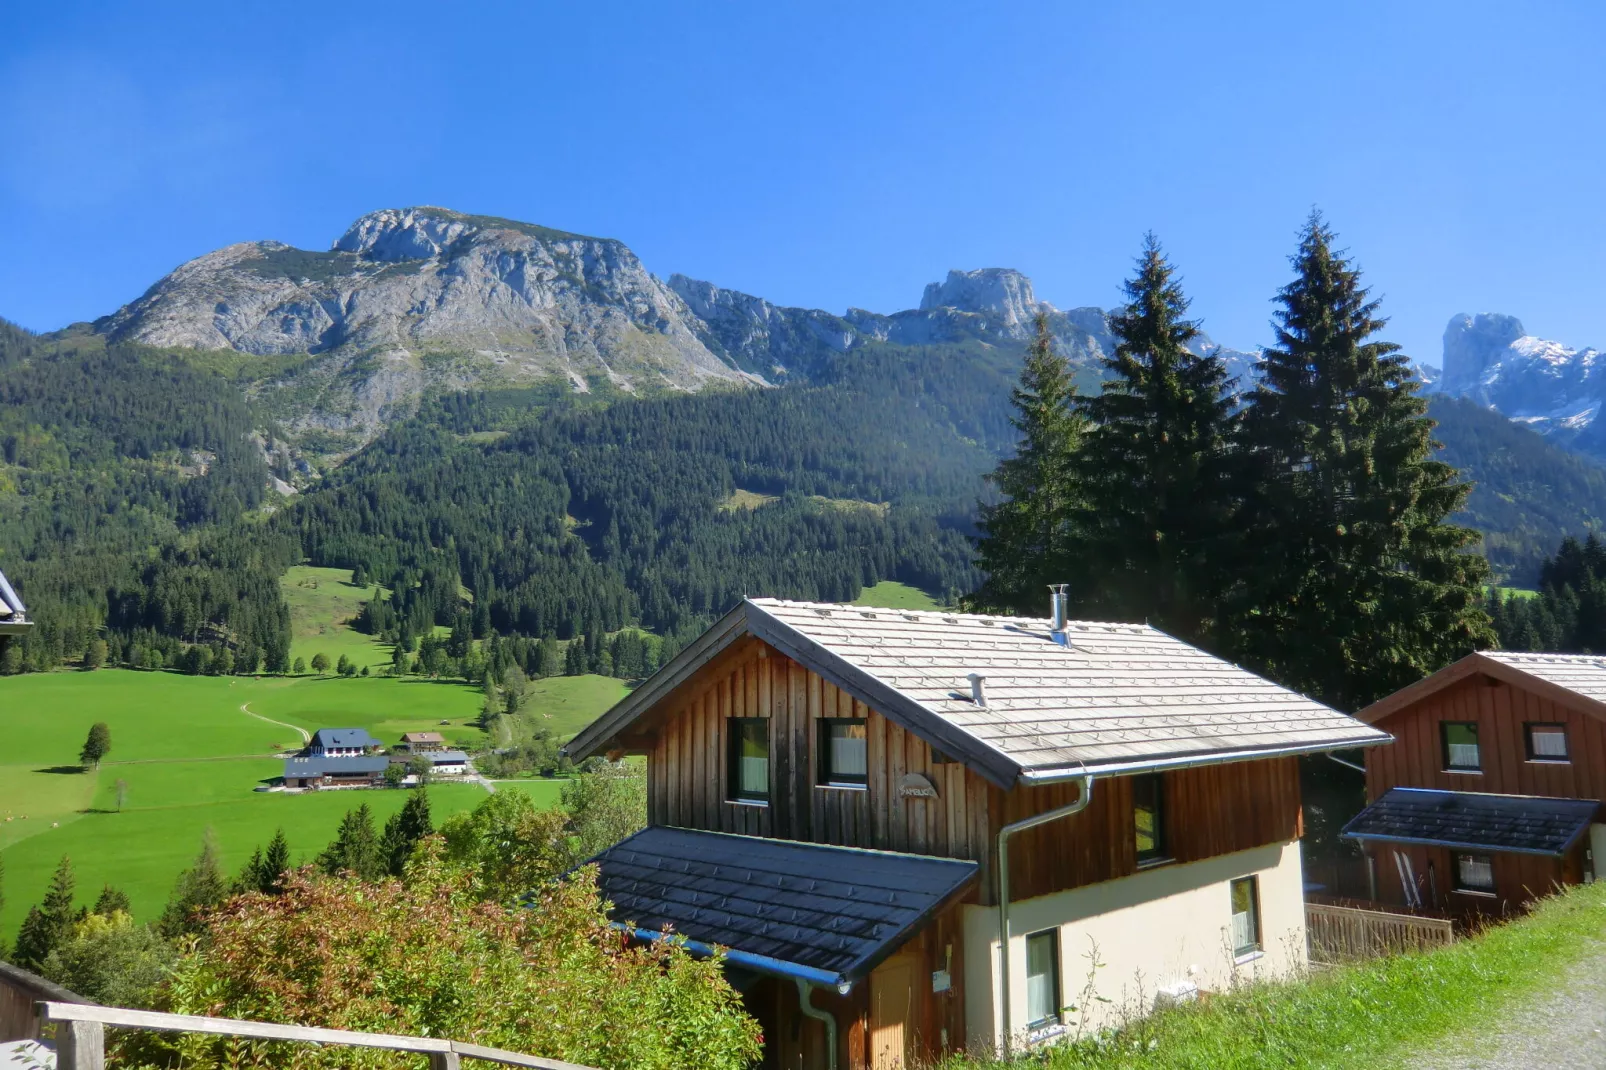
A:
(1473, 665)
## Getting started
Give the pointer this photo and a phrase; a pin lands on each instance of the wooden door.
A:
(892, 1026)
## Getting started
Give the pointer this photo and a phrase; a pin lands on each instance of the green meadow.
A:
(890, 594)
(323, 602)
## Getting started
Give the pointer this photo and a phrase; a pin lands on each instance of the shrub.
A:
(111, 960)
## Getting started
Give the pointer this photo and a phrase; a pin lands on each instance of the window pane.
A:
(1548, 742)
(1245, 917)
(1461, 746)
(1148, 817)
(1475, 872)
(846, 751)
(750, 753)
(1042, 977)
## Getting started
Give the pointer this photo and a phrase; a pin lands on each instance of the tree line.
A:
(1299, 525)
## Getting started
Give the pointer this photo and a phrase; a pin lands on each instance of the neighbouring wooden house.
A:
(441, 762)
(419, 742)
(14, 620)
(1490, 794)
(857, 802)
(343, 772)
(342, 743)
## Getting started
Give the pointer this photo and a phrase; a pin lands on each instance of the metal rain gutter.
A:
(758, 963)
(1064, 774)
(1083, 798)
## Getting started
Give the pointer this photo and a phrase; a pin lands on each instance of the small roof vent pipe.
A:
(1059, 611)
(978, 689)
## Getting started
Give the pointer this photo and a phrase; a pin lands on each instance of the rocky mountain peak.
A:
(1472, 344)
(395, 234)
(1000, 292)
(1553, 388)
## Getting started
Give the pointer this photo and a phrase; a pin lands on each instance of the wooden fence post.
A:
(81, 1046)
(443, 1060)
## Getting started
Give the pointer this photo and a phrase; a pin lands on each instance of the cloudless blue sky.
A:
(829, 155)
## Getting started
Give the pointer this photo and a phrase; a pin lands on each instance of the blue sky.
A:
(829, 155)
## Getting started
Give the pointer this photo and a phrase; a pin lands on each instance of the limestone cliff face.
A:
(1553, 388)
(419, 297)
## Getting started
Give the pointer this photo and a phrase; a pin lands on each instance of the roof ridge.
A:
(947, 614)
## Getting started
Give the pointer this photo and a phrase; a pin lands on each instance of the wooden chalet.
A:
(14, 620)
(857, 802)
(301, 772)
(1490, 794)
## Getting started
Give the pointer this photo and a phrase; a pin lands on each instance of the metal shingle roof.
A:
(836, 910)
(1583, 674)
(302, 767)
(1115, 693)
(344, 737)
(1477, 821)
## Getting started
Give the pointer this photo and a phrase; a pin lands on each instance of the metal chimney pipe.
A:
(1059, 602)
(978, 689)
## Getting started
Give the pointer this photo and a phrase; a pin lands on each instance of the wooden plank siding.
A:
(1500, 711)
(1212, 810)
(1519, 879)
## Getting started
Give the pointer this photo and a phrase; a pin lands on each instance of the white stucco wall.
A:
(1160, 926)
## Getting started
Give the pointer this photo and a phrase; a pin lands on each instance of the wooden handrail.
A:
(85, 1040)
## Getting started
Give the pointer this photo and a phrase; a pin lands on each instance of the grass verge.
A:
(1375, 1014)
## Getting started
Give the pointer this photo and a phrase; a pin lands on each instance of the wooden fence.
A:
(1342, 934)
(20, 993)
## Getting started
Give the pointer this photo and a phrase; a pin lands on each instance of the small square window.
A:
(1474, 873)
(1245, 916)
(1460, 740)
(844, 752)
(1148, 817)
(1042, 979)
(749, 768)
(1546, 742)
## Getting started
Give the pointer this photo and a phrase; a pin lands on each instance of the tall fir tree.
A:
(195, 893)
(403, 831)
(1355, 583)
(50, 923)
(355, 847)
(1154, 468)
(1025, 537)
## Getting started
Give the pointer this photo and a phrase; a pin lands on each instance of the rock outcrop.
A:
(1551, 387)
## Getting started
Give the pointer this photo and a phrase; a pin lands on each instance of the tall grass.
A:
(1371, 1015)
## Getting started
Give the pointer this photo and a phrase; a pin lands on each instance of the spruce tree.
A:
(50, 923)
(275, 862)
(196, 892)
(403, 831)
(1154, 468)
(355, 847)
(110, 901)
(1025, 535)
(1355, 583)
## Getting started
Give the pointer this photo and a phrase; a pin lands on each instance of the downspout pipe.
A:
(1083, 798)
(805, 991)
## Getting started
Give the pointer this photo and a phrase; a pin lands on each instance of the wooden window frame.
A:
(1455, 874)
(824, 775)
(1547, 759)
(1258, 947)
(1444, 746)
(1160, 853)
(1052, 936)
(733, 754)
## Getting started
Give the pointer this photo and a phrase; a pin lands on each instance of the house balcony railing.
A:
(1336, 934)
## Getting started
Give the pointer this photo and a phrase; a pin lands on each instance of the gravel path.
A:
(1561, 1028)
(306, 737)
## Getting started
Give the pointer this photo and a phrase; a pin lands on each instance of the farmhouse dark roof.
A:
(829, 914)
(1525, 824)
(343, 737)
(313, 767)
(1115, 697)
(445, 757)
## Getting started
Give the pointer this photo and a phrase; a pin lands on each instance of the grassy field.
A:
(322, 603)
(1376, 1015)
(889, 594)
(569, 703)
(190, 756)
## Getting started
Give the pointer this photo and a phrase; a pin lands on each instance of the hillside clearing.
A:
(323, 602)
(890, 594)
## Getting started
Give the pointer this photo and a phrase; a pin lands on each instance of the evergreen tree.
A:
(355, 847)
(574, 657)
(1154, 468)
(1025, 536)
(196, 891)
(1354, 583)
(549, 661)
(403, 831)
(50, 923)
(96, 746)
(110, 901)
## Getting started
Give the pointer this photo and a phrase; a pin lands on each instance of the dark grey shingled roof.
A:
(1116, 697)
(304, 767)
(781, 907)
(344, 737)
(1526, 824)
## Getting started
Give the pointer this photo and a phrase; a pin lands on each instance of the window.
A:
(1474, 873)
(1546, 742)
(1148, 817)
(1245, 916)
(1042, 978)
(844, 752)
(749, 769)
(1460, 746)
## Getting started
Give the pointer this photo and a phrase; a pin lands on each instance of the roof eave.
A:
(1060, 773)
(1463, 845)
